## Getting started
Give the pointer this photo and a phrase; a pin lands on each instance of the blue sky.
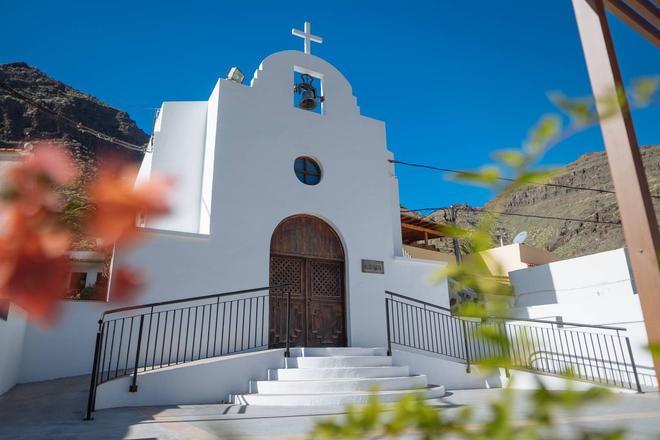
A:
(452, 80)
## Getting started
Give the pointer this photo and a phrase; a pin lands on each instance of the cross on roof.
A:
(307, 35)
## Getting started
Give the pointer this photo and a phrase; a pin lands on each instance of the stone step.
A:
(338, 361)
(336, 373)
(337, 351)
(337, 385)
(330, 399)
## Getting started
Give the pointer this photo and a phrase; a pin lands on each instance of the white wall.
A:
(442, 371)
(65, 349)
(604, 275)
(594, 289)
(12, 332)
(199, 382)
(419, 279)
(179, 153)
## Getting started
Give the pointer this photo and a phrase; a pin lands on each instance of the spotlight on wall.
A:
(235, 75)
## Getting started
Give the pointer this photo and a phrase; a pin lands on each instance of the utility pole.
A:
(457, 244)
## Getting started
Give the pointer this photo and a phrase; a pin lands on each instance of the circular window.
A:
(307, 170)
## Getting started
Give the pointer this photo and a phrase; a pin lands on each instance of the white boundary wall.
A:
(65, 349)
(199, 382)
(594, 289)
(12, 333)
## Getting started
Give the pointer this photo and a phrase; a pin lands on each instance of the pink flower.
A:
(118, 204)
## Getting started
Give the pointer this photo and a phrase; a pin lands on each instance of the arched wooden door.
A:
(307, 253)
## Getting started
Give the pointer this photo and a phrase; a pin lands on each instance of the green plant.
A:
(414, 415)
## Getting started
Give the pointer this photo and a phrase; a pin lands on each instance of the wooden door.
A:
(307, 253)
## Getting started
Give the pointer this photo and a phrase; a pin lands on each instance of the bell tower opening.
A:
(308, 91)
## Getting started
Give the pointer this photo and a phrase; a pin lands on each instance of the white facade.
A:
(233, 157)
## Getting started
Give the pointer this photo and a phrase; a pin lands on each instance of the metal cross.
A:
(307, 35)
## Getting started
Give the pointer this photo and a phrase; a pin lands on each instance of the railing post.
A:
(288, 320)
(507, 356)
(133, 388)
(387, 323)
(467, 347)
(95, 365)
(634, 367)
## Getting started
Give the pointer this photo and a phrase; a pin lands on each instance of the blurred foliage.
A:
(505, 420)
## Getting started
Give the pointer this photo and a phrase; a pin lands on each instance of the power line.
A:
(547, 217)
(506, 179)
(79, 126)
(519, 214)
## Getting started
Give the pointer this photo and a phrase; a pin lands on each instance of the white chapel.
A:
(270, 192)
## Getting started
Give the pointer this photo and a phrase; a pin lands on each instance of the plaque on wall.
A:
(373, 266)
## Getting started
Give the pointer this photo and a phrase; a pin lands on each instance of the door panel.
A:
(287, 270)
(308, 254)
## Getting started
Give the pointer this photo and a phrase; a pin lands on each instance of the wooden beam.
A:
(639, 15)
(640, 227)
(647, 10)
(421, 229)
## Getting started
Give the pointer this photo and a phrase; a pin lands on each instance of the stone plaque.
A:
(373, 266)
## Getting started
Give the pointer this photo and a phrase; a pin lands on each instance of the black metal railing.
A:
(136, 339)
(594, 353)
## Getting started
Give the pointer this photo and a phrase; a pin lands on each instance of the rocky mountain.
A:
(565, 238)
(21, 122)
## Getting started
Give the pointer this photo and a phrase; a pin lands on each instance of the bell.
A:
(308, 91)
(308, 100)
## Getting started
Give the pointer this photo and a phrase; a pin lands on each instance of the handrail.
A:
(540, 321)
(558, 324)
(420, 325)
(156, 337)
(417, 301)
(194, 298)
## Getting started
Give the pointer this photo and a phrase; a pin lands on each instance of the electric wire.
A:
(79, 126)
(517, 214)
(506, 179)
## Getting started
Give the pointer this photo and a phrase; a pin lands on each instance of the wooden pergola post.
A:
(640, 227)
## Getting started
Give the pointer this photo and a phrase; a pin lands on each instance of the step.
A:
(337, 351)
(337, 385)
(336, 373)
(338, 361)
(329, 399)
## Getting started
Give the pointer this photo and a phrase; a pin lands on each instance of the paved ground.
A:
(54, 410)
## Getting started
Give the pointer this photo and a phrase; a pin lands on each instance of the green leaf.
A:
(645, 88)
(545, 130)
(511, 158)
(455, 231)
(488, 176)
(539, 176)
(580, 110)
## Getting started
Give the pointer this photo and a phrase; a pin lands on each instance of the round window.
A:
(307, 170)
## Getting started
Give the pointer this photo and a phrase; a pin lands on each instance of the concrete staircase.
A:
(335, 377)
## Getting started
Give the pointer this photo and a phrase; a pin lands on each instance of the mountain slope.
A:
(20, 122)
(565, 238)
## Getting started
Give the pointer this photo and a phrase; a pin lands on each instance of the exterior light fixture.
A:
(235, 75)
